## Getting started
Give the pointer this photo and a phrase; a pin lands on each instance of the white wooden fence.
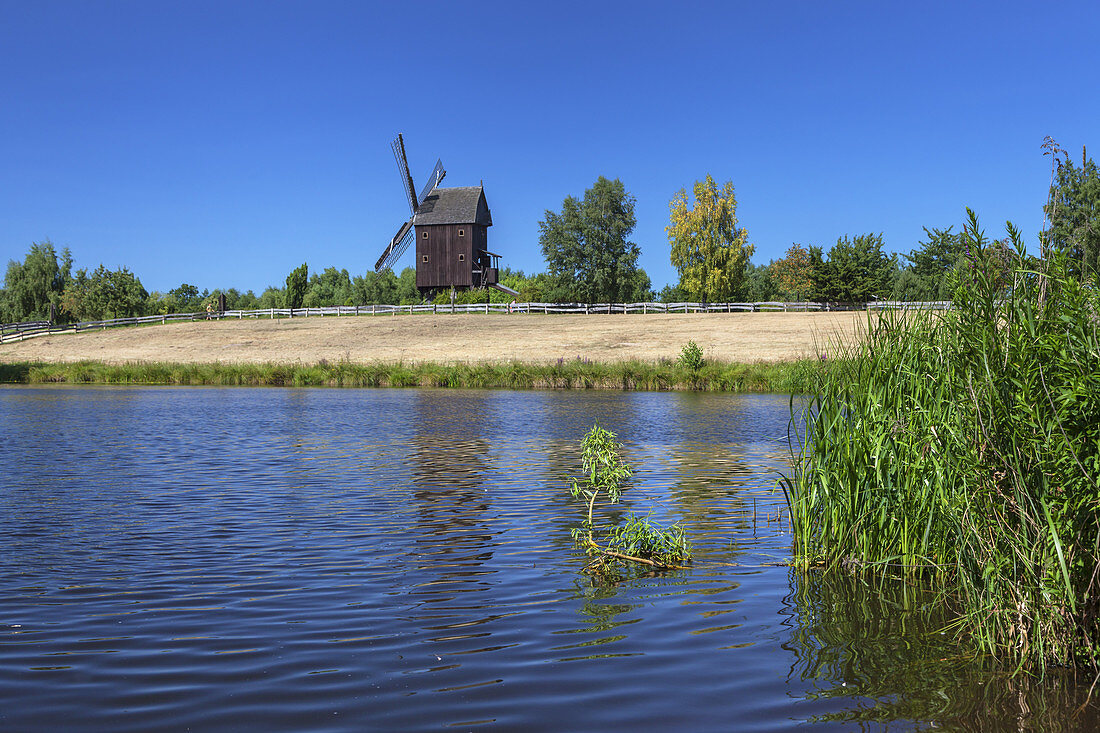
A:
(19, 331)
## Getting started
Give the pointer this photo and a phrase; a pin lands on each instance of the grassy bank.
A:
(963, 449)
(786, 377)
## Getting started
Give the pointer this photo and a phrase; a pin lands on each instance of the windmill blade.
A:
(397, 246)
(433, 180)
(398, 146)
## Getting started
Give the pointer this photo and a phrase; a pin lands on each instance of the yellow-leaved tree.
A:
(709, 250)
(794, 273)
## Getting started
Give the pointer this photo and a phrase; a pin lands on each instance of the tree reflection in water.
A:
(449, 462)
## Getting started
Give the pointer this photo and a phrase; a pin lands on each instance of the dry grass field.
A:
(473, 338)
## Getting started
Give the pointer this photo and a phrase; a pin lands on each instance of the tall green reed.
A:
(964, 447)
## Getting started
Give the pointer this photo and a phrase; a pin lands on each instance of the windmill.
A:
(450, 227)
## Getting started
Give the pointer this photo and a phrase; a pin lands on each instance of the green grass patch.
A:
(788, 377)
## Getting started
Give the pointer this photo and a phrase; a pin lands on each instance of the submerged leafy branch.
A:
(637, 541)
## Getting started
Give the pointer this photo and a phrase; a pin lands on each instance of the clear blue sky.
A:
(224, 143)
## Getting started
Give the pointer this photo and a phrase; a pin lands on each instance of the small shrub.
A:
(635, 542)
(691, 356)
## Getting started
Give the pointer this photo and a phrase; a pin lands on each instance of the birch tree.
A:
(708, 248)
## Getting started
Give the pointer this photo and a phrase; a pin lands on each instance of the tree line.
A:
(590, 258)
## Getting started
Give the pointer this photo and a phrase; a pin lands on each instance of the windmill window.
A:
(462, 232)
(425, 235)
(425, 258)
(462, 257)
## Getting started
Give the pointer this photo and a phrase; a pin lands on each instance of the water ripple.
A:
(401, 559)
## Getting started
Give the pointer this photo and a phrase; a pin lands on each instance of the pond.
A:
(287, 559)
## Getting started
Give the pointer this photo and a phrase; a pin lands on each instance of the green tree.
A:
(587, 252)
(330, 287)
(32, 286)
(104, 294)
(296, 283)
(407, 293)
(822, 277)
(708, 249)
(374, 288)
(928, 276)
(384, 288)
(516, 280)
(760, 283)
(793, 273)
(235, 299)
(537, 287)
(185, 298)
(1074, 212)
(243, 301)
(643, 287)
(671, 294)
(857, 271)
(271, 297)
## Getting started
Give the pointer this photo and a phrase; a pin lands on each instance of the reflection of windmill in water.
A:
(450, 226)
(450, 464)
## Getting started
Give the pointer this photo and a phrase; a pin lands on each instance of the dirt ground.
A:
(473, 338)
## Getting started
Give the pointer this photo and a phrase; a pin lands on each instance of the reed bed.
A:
(785, 377)
(964, 448)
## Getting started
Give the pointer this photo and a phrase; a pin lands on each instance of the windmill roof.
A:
(459, 205)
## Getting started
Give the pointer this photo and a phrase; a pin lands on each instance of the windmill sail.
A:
(397, 247)
(398, 146)
(433, 180)
(405, 235)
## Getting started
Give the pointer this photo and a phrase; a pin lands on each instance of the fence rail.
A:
(10, 332)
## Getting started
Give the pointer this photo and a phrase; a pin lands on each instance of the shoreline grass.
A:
(781, 378)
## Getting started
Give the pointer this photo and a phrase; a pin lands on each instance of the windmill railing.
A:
(10, 332)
